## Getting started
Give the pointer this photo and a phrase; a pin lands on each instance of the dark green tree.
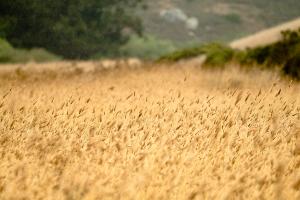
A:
(71, 28)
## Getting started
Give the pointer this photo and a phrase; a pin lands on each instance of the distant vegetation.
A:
(147, 47)
(74, 29)
(6, 51)
(85, 29)
(284, 55)
(8, 54)
(216, 54)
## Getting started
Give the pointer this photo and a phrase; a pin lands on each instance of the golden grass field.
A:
(156, 132)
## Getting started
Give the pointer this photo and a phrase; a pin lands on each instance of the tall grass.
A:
(164, 132)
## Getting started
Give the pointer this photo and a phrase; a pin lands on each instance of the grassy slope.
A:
(265, 37)
(215, 23)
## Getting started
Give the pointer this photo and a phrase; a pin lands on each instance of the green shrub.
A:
(10, 55)
(182, 54)
(6, 51)
(147, 47)
(292, 66)
(216, 54)
(285, 54)
(36, 55)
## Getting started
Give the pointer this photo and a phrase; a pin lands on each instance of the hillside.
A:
(265, 37)
(211, 20)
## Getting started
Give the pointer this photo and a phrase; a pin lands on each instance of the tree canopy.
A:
(71, 28)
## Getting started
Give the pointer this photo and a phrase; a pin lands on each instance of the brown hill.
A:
(265, 37)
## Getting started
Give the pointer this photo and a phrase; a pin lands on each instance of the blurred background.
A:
(47, 30)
